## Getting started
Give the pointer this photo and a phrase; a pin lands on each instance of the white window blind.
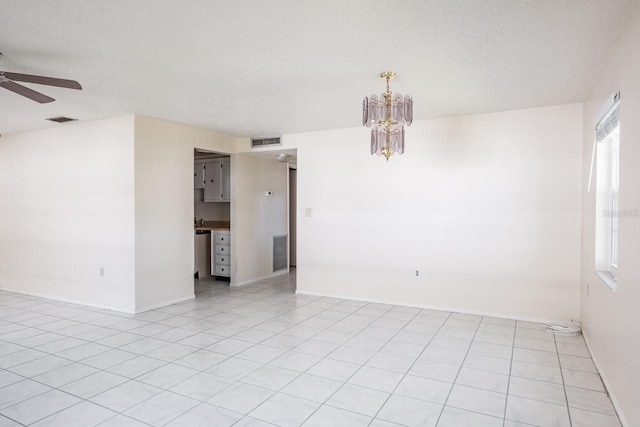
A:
(606, 122)
(609, 121)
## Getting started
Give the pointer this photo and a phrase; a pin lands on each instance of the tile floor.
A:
(260, 356)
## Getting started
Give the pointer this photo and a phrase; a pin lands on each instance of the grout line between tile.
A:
(564, 388)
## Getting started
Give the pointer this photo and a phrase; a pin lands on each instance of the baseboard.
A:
(606, 383)
(164, 304)
(430, 307)
(70, 300)
(269, 276)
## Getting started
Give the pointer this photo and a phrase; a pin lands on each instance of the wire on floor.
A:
(564, 329)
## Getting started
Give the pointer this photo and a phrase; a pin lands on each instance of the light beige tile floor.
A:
(260, 355)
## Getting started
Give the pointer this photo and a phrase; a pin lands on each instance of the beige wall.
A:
(211, 211)
(164, 208)
(486, 207)
(611, 319)
(115, 194)
(67, 210)
(256, 218)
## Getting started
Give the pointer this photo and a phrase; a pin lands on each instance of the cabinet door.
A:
(213, 183)
(198, 176)
(226, 180)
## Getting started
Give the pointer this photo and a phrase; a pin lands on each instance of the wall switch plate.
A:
(308, 212)
(101, 271)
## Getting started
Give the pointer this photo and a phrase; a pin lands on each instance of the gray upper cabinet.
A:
(226, 180)
(217, 181)
(198, 176)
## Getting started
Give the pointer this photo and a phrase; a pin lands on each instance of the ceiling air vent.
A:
(61, 119)
(265, 141)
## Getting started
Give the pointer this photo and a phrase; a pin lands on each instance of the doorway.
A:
(211, 209)
(293, 190)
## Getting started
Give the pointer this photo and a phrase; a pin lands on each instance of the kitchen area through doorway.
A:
(212, 216)
(256, 191)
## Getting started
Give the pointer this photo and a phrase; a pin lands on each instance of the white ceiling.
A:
(255, 67)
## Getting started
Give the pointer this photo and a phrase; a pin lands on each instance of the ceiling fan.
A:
(8, 81)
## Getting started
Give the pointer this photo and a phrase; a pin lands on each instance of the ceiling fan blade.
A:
(25, 91)
(41, 80)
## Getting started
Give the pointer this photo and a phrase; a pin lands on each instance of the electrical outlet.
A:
(101, 271)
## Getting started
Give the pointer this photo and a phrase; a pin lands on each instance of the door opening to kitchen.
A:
(211, 207)
(292, 202)
(293, 188)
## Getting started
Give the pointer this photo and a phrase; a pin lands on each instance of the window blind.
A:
(609, 118)
(605, 123)
(608, 124)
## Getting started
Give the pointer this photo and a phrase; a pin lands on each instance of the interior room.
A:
(202, 222)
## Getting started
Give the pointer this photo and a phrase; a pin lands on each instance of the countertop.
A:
(214, 225)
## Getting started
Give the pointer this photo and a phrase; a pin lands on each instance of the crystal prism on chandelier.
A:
(386, 115)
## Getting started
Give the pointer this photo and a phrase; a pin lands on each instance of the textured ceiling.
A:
(255, 67)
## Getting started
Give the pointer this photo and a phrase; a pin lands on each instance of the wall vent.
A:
(265, 141)
(61, 119)
(279, 252)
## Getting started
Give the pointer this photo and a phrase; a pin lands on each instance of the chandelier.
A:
(386, 116)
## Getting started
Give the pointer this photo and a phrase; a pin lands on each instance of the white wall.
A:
(611, 320)
(211, 211)
(115, 194)
(164, 208)
(66, 210)
(486, 207)
(256, 218)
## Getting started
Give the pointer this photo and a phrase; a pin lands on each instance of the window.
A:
(615, 160)
(607, 184)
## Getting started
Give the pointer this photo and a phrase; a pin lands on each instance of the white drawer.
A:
(222, 239)
(222, 259)
(222, 249)
(221, 270)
